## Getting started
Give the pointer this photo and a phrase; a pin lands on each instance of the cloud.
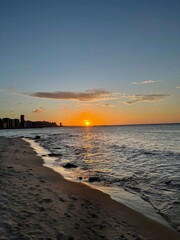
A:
(39, 110)
(105, 105)
(98, 97)
(2, 90)
(178, 87)
(92, 95)
(10, 89)
(146, 82)
(138, 98)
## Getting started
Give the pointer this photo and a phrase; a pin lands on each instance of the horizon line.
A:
(131, 124)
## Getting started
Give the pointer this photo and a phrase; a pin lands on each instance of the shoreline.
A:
(36, 202)
(130, 200)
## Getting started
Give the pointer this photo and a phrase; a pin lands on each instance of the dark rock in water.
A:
(44, 155)
(80, 178)
(168, 182)
(94, 179)
(70, 165)
(37, 137)
(54, 154)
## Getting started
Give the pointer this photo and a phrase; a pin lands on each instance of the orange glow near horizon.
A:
(83, 118)
(87, 116)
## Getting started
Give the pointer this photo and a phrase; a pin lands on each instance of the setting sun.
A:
(87, 123)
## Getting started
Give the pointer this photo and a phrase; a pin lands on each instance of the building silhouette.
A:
(22, 121)
(7, 123)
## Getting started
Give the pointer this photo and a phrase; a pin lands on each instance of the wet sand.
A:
(38, 203)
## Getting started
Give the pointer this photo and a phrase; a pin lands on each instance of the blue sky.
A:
(82, 45)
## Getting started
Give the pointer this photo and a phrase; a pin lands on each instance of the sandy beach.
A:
(38, 203)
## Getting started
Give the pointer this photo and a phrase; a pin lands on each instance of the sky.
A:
(103, 61)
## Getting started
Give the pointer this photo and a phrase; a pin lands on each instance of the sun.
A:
(87, 123)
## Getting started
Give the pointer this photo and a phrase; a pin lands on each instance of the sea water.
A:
(137, 165)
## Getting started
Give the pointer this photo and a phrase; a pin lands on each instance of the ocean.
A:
(137, 165)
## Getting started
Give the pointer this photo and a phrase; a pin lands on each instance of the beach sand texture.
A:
(38, 203)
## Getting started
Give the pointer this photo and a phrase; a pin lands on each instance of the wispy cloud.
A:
(10, 89)
(138, 98)
(39, 110)
(146, 82)
(3, 90)
(91, 95)
(178, 87)
(107, 105)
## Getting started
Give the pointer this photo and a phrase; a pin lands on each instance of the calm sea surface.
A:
(141, 160)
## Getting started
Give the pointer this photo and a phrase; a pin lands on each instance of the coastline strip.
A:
(131, 200)
(36, 202)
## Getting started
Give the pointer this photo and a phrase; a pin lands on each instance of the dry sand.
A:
(38, 203)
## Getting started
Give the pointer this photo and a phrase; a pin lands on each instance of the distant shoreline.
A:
(116, 125)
